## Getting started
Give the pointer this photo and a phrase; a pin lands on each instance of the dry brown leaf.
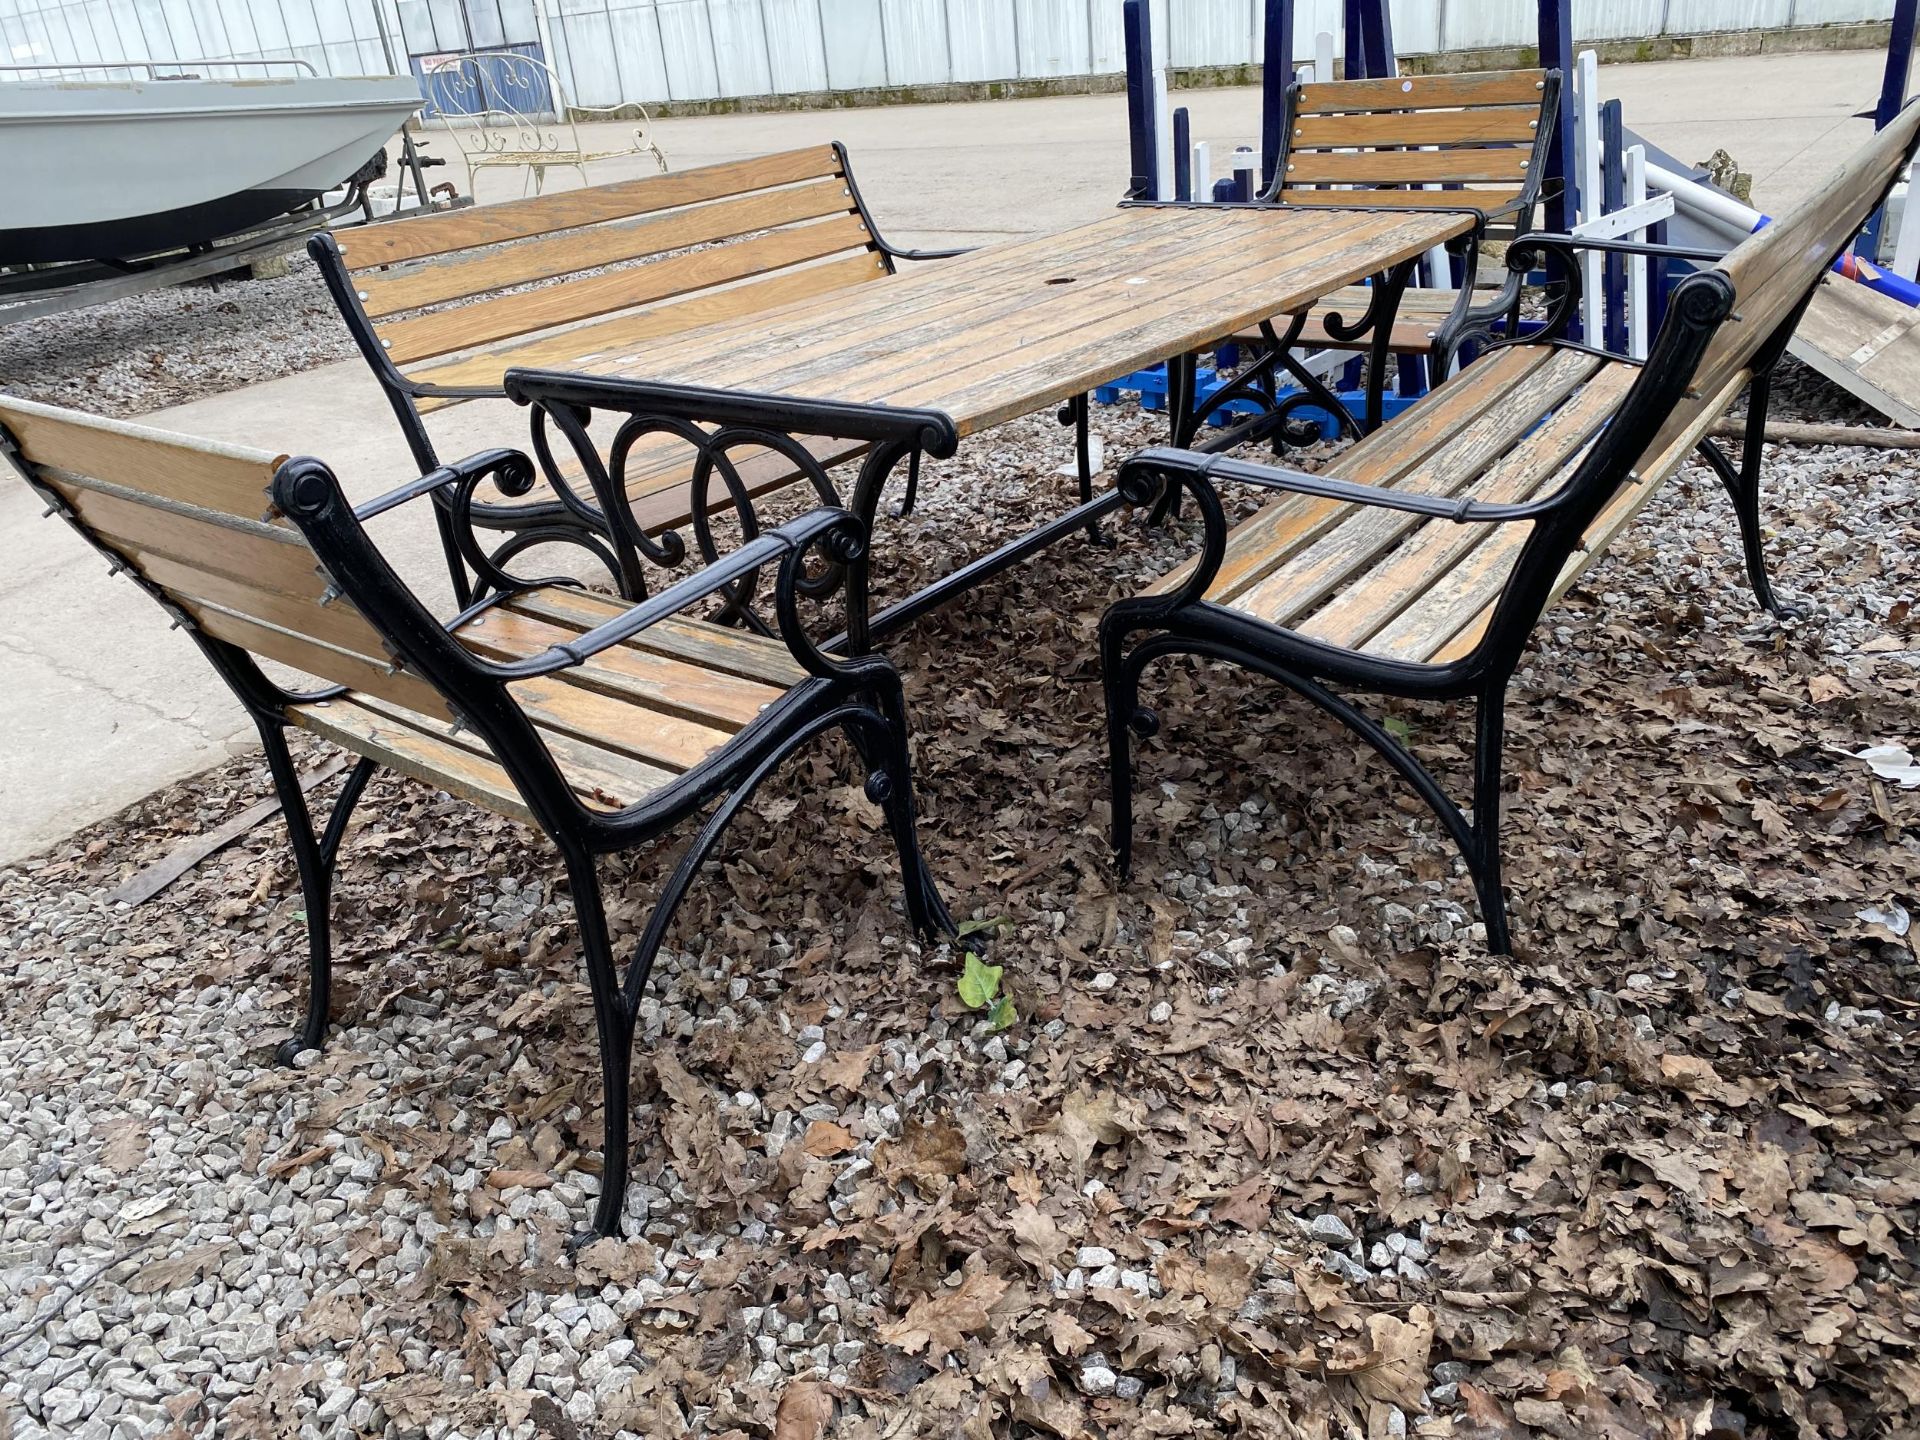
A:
(804, 1412)
(825, 1139)
(1037, 1239)
(939, 1323)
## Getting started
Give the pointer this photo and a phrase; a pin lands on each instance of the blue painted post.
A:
(1613, 195)
(1226, 191)
(1353, 34)
(1276, 75)
(1893, 94)
(1243, 174)
(1182, 156)
(1142, 123)
(1556, 53)
(1377, 40)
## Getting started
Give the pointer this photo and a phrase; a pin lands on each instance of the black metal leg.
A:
(1124, 711)
(1490, 723)
(890, 785)
(1076, 413)
(1383, 312)
(1743, 488)
(315, 860)
(614, 1023)
(1120, 680)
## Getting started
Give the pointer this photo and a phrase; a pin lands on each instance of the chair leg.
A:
(314, 858)
(1120, 680)
(614, 1022)
(1490, 722)
(889, 763)
(1743, 488)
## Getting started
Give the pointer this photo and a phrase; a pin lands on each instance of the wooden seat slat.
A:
(1477, 600)
(656, 682)
(413, 752)
(1404, 576)
(335, 623)
(425, 235)
(1399, 129)
(425, 335)
(600, 778)
(1423, 92)
(547, 257)
(724, 651)
(1302, 582)
(1283, 526)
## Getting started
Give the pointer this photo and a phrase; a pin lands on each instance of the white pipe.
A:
(1705, 203)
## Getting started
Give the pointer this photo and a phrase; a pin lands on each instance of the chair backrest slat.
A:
(1480, 135)
(436, 285)
(500, 317)
(427, 235)
(183, 515)
(457, 276)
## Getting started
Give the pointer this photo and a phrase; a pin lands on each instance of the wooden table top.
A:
(1010, 329)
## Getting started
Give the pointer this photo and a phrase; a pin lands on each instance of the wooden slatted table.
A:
(1018, 328)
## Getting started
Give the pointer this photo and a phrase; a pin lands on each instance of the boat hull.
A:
(118, 171)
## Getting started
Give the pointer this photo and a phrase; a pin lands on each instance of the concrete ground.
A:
(102, 704)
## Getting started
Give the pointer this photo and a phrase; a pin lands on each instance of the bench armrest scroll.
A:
(513, 472)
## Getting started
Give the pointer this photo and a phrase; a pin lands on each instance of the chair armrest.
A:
(1198, 468)
(1546, 239)
(839, 532)
(512, 471)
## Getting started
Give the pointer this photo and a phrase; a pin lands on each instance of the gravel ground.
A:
(167, 347)
(194, 1243)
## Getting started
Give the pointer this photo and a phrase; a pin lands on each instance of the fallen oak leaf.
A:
(526, 1179)
(824, 1139)
(939, 1323)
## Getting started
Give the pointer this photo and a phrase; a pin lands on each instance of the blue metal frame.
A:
(1142, 124)
(1893, 94)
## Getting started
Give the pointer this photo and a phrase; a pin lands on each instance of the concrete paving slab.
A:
(102, 704)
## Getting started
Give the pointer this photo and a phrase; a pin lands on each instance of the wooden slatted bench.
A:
(1414, 142)
(602, 724)
(442, 306)
(1419, 563)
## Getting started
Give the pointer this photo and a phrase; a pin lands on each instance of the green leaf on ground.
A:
(979, 982)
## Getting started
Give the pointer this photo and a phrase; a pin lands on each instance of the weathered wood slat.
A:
(266, 556)
(441, 332)
(408, 751)
(1429, 127)
(1453, 614)
(656, 682)
(336, 623)
(1008, 385)
(1401, 578)
(327, 663)
(915, 319)
(1297, 586)
(576, 348)
(544, 214)
(601, 779)
(1282, 526)
(231, 479)
(1485, 199)
(1424, 92)
(1396, 167)
(547, 257)
(729, 652)
(668, 741)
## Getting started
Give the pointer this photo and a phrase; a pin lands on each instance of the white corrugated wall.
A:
(611, 52)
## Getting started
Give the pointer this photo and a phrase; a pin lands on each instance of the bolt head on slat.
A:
(360, 294)
(386, 344)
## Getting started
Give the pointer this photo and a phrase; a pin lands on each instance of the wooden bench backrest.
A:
(1776, 268)
(786, 225)
(193, 520)
(1483, 134)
